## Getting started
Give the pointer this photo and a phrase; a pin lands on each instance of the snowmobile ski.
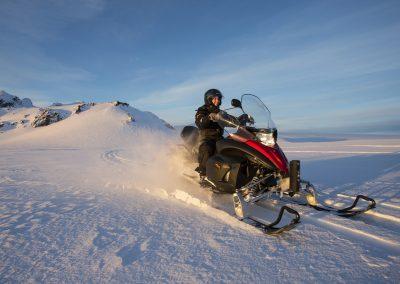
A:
(348, 211)
(257, 214)
(311, 201)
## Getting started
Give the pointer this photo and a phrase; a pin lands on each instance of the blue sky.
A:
(318, 65)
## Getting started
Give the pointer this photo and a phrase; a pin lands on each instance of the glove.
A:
(243, 119)
(213, 116)
(251, 120)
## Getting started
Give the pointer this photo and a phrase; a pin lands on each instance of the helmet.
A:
(210, 95)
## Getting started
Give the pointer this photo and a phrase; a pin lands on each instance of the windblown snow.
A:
(99, 195)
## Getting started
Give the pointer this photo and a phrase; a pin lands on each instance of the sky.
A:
(318, 65)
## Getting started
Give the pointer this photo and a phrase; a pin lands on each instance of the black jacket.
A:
(209, 130)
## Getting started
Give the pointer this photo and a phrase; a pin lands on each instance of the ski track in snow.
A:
(107, 213)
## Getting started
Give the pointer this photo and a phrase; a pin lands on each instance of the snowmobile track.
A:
(114, 157)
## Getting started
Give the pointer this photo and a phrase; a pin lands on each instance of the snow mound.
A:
(7, 101)
(16, 114)
(81, 125)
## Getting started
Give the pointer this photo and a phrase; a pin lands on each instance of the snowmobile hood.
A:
(274, 154)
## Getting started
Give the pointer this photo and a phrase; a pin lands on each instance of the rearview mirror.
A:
(236, 103)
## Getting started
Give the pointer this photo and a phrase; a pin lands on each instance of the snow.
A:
(99, 196)
(12, 101)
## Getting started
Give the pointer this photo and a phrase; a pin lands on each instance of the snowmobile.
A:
(249, 164)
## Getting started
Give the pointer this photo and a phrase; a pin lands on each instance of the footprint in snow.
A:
(106, 236)
(133, 252)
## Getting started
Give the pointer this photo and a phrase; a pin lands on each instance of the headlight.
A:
(266, 138)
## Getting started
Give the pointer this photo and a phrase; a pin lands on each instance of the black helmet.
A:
(210, 95)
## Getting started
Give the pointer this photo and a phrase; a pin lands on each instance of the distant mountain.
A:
(8, 100)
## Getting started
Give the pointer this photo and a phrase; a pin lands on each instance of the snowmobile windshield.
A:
(226, 120)
(256, 109)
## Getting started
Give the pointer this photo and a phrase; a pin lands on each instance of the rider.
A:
(210, 130)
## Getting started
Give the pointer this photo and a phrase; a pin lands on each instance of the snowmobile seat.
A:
(190, 135)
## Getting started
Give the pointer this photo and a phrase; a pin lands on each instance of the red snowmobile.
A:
(249, 164)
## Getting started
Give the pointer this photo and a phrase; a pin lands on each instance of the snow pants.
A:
(206, 150)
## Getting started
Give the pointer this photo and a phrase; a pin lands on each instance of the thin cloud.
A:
(37, 67)
(44, 19)
(328, 60)
(331, 71)
(184, 90)
(351, 117)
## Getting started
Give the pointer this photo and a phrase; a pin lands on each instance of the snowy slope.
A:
(99, 196)
(94, 124)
